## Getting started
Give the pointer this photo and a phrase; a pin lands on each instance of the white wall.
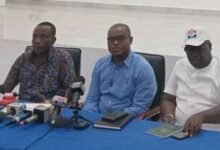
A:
(159, 33)
(195, 4)
(2, 2)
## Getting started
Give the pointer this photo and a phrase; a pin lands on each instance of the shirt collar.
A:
(126, 62)
(50, 54)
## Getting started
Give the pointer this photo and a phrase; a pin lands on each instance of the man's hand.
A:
(193, 124)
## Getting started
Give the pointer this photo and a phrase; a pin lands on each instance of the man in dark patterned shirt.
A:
(43, 71)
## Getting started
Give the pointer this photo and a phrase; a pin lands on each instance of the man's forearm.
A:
(167, 106)
(211, 115)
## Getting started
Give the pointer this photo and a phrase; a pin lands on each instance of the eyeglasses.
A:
(118, 38)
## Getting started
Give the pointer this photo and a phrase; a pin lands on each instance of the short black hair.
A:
(46, 23)
(123, 26)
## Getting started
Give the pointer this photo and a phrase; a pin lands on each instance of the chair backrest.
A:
(75, 54)
(158, 64)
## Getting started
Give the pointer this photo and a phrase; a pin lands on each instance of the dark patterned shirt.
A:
(41, 81)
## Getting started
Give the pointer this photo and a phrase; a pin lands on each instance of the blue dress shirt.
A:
(129, 86)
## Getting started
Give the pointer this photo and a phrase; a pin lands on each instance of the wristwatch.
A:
(171, 118)
(169, 115)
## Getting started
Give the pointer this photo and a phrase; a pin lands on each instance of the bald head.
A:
(120, 26)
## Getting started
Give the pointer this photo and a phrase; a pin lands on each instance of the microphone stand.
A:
(79, 122)
(77, 89)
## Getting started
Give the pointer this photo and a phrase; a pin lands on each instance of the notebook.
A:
(164, 130)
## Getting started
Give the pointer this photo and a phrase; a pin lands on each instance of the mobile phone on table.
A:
(113, 116)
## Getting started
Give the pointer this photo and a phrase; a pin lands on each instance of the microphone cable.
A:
(39, 138)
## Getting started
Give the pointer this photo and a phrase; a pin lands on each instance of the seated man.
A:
(123, 80)
(43, 71)
(192, 95)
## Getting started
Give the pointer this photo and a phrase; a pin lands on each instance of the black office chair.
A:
(158, 64)
(75, 54)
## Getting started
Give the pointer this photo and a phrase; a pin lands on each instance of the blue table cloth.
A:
(17, 137)
(132, 137)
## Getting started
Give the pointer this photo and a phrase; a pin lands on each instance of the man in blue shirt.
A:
(122, 80)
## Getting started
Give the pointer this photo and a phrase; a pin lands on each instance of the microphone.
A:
(6, 112)
(41, 114)
(29, 120)
(77, 89)
(15, 109)
(19, 118)
(58, 102)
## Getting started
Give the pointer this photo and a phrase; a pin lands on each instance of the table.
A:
(132, 137)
